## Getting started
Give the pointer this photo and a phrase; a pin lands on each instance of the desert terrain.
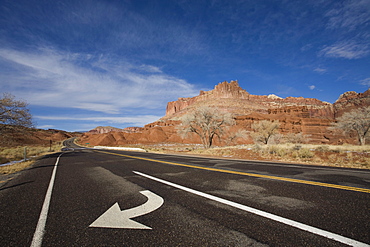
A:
(305, 131)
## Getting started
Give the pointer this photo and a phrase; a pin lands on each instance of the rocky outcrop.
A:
(104, 129)
(310, 117)
(223, 90)
(294, 119)
(132, 129)
(230, 97)
(351, 100)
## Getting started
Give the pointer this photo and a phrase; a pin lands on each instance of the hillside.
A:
(12, 136)
(308, 116)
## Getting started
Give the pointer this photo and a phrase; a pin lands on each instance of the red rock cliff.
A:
(308, 116)
(351, 100)
(232, 98)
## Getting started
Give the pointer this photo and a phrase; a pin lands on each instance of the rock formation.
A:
(104, 129)
(310, 117)
(230, 97)
(351, 100)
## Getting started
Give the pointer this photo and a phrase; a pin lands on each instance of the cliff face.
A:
(223, 90)
(104, 129)
(351, 100)
(232, 98)
(310, 117)
(108, 129)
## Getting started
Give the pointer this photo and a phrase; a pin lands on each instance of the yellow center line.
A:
(343, 187)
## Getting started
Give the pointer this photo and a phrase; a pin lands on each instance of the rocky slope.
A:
(308, 116)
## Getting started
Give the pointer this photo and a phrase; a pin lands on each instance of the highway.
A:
(88, 197)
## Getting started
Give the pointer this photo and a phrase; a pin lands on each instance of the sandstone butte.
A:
(311, 117)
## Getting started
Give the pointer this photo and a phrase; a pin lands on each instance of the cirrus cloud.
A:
(346, 49)
(365, 82)
(54, 78)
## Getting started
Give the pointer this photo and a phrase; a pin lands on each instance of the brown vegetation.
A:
(356, 121)
(348, 156)
(37, 142)
(8, 154)
(207, 123)
(10, 169)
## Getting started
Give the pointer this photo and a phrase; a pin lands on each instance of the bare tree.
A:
(243, 134)
(14, 112)
(357, 121)
(264, 130)
(296, 138)
(207, 123)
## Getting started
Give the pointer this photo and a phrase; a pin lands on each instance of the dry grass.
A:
(9, 169)
(17, 153)
(350, 156)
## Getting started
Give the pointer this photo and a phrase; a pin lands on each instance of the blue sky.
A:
(80, 64)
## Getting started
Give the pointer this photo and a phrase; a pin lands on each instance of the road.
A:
(86, 197)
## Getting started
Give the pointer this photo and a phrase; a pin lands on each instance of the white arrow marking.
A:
(115, 218)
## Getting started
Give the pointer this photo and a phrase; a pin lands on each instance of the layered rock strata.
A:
(310, 117)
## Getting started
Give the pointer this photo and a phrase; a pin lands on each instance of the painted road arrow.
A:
(115, 218)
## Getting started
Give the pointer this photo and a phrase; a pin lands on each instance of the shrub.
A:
(297, 147)
(277, 150)
(264, 130)
(296, 138)
(322, 149)
(257, 148)
(305, 153)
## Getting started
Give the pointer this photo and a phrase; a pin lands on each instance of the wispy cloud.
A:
(50, 77)
(312, 87)
(350, 21)
(320, 70)
(349, 14)
(135, 120)
(346, 49)
(365, 82)
(46, 126)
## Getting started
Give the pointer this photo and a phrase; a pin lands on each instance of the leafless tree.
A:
(264, 130)
(207, 123)
(14, 112)
(357, 121)
(243, 134)
(296, 138)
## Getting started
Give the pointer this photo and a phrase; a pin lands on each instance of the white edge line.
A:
(40, 228)
(286, 221)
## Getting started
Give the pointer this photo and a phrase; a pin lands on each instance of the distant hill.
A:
(104, 129)
(19, 136)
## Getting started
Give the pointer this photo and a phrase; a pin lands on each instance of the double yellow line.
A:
(248, 174)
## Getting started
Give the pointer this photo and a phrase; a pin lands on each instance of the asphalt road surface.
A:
(86, 197)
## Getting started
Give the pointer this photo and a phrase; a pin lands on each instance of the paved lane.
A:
(88, 183)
